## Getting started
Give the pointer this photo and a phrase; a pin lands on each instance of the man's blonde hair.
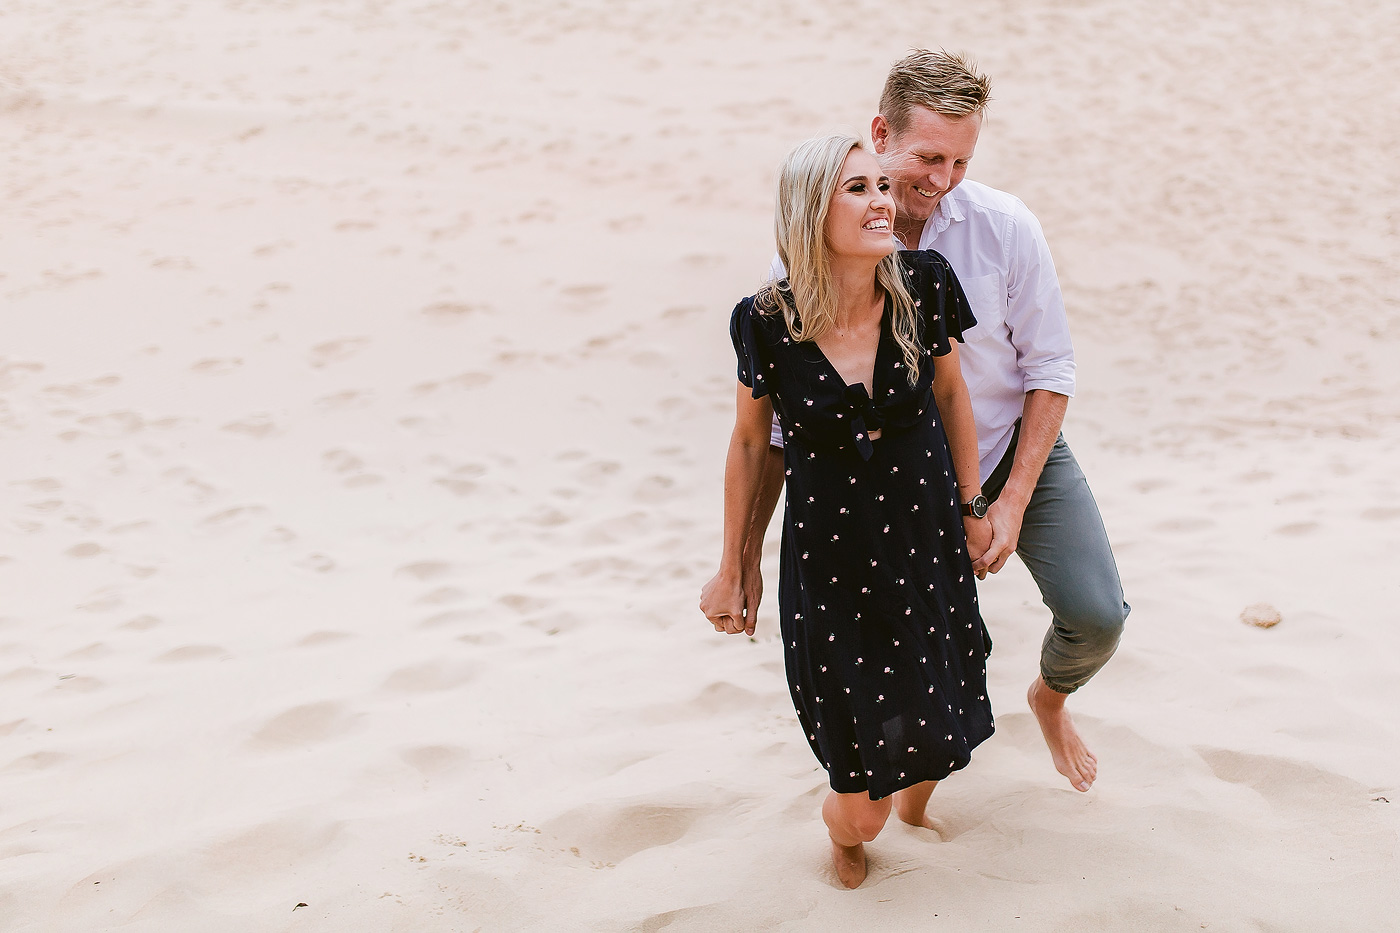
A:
(807, 297)
(941, 81)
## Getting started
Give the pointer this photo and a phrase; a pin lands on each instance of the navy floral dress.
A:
(884, 644)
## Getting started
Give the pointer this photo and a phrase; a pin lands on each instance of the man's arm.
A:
(1035, 316)
(1040, 426)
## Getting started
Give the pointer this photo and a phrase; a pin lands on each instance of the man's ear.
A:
(879, 133)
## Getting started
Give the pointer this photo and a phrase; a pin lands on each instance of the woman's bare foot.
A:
(1071, 756)
(849, 862)
(912, 805)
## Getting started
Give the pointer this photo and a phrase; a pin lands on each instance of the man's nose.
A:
(940, 175)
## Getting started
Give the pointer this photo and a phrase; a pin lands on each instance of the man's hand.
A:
(1005, 520)
(979, 538)
(730, 602)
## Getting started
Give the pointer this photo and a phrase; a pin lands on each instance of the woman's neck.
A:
(858, 295)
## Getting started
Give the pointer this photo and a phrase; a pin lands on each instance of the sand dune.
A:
(364, 393)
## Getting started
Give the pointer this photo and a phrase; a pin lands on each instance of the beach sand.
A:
(364, 391)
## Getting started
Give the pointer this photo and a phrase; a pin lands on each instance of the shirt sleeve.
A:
(749, 348)
(1035, 310)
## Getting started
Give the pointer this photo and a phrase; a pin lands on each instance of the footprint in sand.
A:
(1281, 781)
(12, 374)
(335, 351)
(451, 311)
(92, 652)
(268, 848)
(85, 389)
(217, 367)
(257, 425)
(599, 472)
(191, 653)
(232, 518)
(450, 617)
(84, 549)
(347, 400)
(584, 296)
(443, 594)
(37, 761)
(425, 570)
(430, 677)
(103, 600)
(316, 563)
(304, 725)
(609, 833)
(434, 760)
(140, 623)
(1297, 529)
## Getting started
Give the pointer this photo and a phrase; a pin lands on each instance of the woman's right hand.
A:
(730, 601)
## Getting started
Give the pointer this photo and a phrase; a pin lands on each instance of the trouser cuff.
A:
(1058, 688)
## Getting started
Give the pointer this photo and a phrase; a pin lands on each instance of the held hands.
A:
(1004, 521)
(979, 539)
(730, 601)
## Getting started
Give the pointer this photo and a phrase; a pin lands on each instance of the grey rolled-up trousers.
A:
(1065, 547)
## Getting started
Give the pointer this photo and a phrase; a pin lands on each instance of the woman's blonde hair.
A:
(806, 184)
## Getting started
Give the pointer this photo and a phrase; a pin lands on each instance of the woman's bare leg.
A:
(912, 802)
(852, 820)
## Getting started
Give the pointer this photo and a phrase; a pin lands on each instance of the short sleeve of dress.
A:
(941, 299)
(749, 347)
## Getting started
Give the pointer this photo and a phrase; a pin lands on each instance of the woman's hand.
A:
(752, 477)
(979, 539)
(730, 602)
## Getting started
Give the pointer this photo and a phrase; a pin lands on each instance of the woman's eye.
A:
(884, 186)
(857, 188)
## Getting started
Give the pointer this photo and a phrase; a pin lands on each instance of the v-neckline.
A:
(879, 352)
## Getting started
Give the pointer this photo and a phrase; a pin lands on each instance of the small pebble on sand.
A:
(1262, 615)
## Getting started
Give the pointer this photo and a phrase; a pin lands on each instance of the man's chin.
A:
(921, 209)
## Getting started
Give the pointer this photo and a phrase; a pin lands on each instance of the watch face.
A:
(978, 506)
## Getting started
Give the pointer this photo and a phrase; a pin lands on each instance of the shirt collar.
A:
(947, 212)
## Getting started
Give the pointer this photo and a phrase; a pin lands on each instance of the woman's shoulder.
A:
(924, 262)
(757, 313)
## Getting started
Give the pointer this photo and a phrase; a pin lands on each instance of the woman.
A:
(884, 645)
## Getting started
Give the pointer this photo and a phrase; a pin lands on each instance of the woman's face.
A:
(860, 220)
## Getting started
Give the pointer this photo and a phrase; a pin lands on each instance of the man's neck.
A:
(909, 231)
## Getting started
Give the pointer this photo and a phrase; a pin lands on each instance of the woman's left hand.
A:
(979, 539)
(730, 603)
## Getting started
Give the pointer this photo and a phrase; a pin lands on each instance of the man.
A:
(1019, 367)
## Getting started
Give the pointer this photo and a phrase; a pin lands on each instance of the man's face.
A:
(926, 160)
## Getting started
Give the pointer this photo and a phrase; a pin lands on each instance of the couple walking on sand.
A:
(904, 375)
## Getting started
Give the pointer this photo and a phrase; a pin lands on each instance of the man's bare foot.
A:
(912, 805)
(1071, 756)
(849, 862)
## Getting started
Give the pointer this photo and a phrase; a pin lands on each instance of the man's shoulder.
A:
(975, 197)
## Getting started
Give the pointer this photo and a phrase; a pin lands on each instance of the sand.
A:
(364, 391)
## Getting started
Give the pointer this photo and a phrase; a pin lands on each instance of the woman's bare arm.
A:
(730, 599)
(955, 408)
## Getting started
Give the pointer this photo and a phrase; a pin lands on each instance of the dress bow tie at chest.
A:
(865, 417)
